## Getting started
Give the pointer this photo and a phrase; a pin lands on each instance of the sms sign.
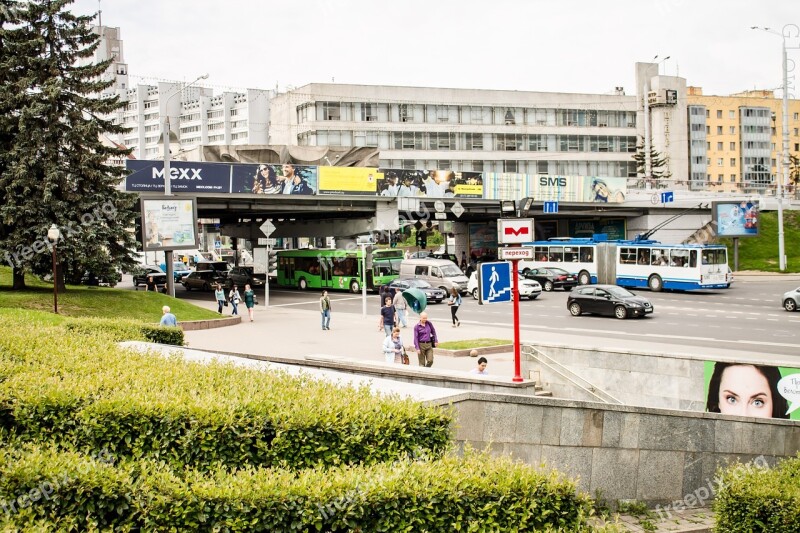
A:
(514, 230)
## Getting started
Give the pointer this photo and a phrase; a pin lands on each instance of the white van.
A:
(438, 272)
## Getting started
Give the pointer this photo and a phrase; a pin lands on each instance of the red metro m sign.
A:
(514, 230)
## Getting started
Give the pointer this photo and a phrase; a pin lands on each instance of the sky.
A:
(571, 46)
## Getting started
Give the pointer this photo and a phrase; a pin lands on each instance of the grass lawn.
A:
(95, 302)
(474, 343)
(761, 253)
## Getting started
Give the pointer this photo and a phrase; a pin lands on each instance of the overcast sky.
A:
(575, 46)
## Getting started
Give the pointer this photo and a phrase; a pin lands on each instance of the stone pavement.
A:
(699, 520)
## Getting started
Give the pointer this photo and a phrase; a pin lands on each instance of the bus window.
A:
(570, 254)
(659, 257)
(644, 256)
(627, 256)
(714, 257)
(556, 253)
(693, 258)
(679, 258)
(540, 253)
(586, 254)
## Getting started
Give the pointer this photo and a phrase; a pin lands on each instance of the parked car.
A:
(528, 288)
(433, 294)
(241, 276)
(108, 280)
(610, 300)
(552, 278)
(791, 300)
(442, 255)
(420, 254)
(141, 274)
(179, 269)
(203, 280)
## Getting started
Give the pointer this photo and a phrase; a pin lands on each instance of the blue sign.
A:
(495, 282)
(550, 207)
(217, 244)
(667, 197)
(185, 176)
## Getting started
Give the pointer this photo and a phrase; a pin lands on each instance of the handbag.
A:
(225, 303)
(405, 357)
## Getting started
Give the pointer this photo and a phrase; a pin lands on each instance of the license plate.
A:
(648, 309)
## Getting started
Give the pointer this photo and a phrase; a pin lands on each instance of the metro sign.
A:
(514, 230)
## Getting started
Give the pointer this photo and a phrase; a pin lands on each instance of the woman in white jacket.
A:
(393, 347)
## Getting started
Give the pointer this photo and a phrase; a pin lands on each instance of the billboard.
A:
(735, 218)
(760, 391)
(266, 178)
(349, 180)
(541, 187)
(169, 223)
(185, 176)
(430, 183)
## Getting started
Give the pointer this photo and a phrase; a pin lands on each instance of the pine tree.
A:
(658, 162)
(53, 166)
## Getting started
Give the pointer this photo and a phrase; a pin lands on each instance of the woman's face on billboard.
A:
(744, 391)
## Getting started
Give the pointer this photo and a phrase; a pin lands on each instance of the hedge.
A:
(753, 498)
(473, 493)
(125, 330)
(86, 393)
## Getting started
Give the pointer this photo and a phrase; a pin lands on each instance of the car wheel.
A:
(620, 312)
(575, 309)
(354, 286)
(445, 289)
(584, 278)
(188, 288)
(790, 305)
(655, 283)
(475, 294)
(548, 286)
(302, 284)
(525, 271)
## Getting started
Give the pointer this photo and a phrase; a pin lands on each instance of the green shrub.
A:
(752, 499)
(125, 330)
(469, 493)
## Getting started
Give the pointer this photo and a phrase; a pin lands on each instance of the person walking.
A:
(235, 298)
(425, 340)
(454, 303)
(393, 347)
(400, 306)
(219, 294)
(249, 300)
(388, 317)
(325, 310)
(167, 318)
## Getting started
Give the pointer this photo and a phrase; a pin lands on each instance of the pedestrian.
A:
(393, 347)
(219, 294)
(150, 285)
(481, 368)
(401, 307)
(167, 318)
(325, 310)
(454, 303)
(249, 300)
(235, 298)
(384, 293)
(425, 340)
(388, 318)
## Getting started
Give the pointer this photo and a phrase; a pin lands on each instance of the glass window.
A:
(732, 130)
(586, 254)
(643, 256)
(659, 257)
(679, 258)
(719, 145)
(540, 253)
(719, 130)
(571, 254)
(719, 113)
(627, 256)
(331, 111)
(556, 253)
(733, 161)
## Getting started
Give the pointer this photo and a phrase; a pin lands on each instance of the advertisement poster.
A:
(430, 183)
(185, 176)
(273, 178)
(169, 224)
(613, 227)
(349, 180)
(735, 219)
(510, 186)
(760, 391)
(482, 240)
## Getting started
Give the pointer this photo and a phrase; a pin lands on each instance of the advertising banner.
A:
(430, 183)
(735, 219)
(510, 186)
(169, 224)
(760, 391)
(273, 178)
(186, 176)
(482, 240)
(349, 180)
(613, 227)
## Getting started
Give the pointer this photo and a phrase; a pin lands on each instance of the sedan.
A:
(433, 294)
(552, 278)
(203, 280)
(791, 300)
(241, 276)
(141, 274)
(528, 288)
(608, 300)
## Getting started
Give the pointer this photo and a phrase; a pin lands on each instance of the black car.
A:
(204, 280)
(141, 274)
(552, 278)
(442, 255)
(241, 276)
(93, 280)
(610, 300)
(432, 294)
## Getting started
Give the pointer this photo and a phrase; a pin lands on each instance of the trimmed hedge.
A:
(87, 394)
(752, 498)
(125, 330)
(473, 493)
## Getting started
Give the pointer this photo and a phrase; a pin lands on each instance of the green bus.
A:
(337, 269)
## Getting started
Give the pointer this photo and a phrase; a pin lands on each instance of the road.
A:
(747, 317)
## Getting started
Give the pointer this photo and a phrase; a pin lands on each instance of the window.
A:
(719, 113)
(369, 112)
(732, 130)
(733, 146)
(331, 111)
(719, 130)
(731, 114)
(442, 141)
(537, 143)
(733, 161)
(509, 142)
(719, 146)
(405, 112)
(542, 167)
(627, 256)
(797, 147)
(796, 116)
(510, 166)
(733, 178)
(708, 145)
(475, 115)
(473, 141)
(719, 161)
(795, 131)
(720, 177)
(408, 164)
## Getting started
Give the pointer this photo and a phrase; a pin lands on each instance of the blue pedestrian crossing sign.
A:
(550, 207)
(494, 282)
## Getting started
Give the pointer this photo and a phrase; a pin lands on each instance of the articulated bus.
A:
(337, 269)
(635, 263)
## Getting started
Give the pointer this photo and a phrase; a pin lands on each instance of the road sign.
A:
(667, 197)
(514, 230)
(550, 207)
(516, 252)
(267, 228)
(457, 209)
(218, 244)
(440, 216)
(494, 282)
(438, 205)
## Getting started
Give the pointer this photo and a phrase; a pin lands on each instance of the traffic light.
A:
(415, 299)
(422, 239)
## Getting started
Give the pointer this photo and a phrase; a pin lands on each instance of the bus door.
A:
(326, 271)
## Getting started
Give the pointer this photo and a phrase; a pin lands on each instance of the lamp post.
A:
(789, 30)
(53, 234)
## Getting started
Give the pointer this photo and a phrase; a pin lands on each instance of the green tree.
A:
(53, 165)
(658, 162)
(794, 169)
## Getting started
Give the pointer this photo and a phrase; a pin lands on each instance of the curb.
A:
(486, 350)
(194, 325)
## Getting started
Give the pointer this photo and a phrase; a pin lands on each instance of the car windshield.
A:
(619, 292)
(558, 271)
(451, 270)
(178, 266)
(418, 283)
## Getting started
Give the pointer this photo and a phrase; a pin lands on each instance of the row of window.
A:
(562, 168)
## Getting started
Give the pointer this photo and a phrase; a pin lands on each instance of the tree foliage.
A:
(658, 162)
(54, 166)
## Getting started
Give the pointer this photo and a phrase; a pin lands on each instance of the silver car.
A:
(791, 300)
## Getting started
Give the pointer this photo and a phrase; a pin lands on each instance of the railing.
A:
(790, 192)
(583, 384)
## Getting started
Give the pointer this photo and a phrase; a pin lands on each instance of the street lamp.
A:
(53, 234)
(789, 30)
